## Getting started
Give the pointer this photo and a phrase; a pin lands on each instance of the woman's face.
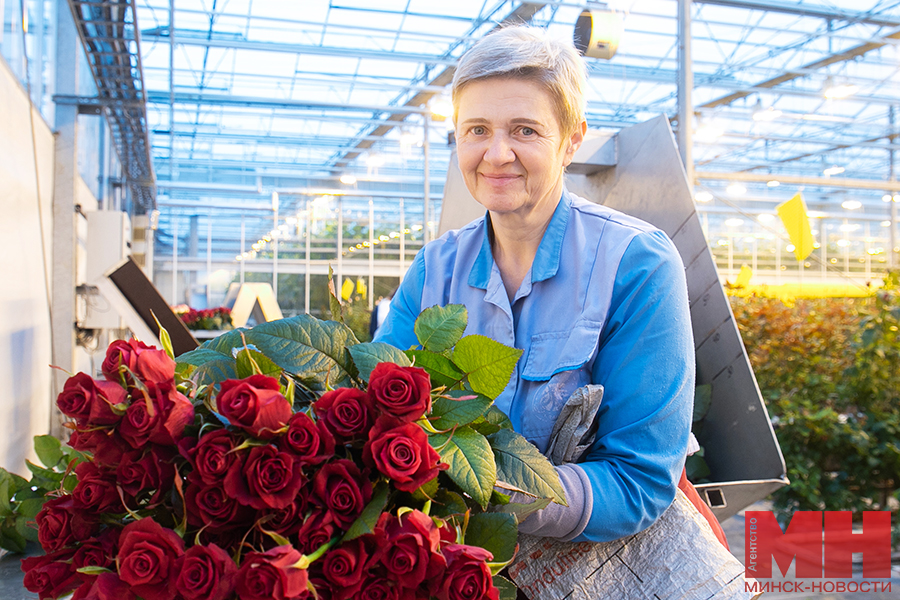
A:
(511, 148)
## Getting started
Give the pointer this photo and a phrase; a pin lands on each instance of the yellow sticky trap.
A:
(744, 276)
(346, 289)
(361, 288)
(796, 222)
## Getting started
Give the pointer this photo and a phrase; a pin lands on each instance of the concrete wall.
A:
(25, 355)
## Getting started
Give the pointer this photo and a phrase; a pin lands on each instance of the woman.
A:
(590, 295)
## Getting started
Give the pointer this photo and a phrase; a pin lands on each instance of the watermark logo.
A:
(821, 543)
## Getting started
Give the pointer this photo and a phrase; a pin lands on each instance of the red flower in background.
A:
(467, 576)
(311, 442)
(266, 479)
(106, 586)
(341, 487)
(205, 573)
(91, 402)
(61, 524)
(51, 575)
(409, 548)
(346, 412)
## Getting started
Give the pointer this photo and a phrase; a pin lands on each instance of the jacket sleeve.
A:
(398, 327)
(645, 362)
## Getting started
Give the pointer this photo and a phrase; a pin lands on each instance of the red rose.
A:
(254, 404)
(106, 586)
(404, 392)
(99, 551)
(52, 575)
(96, 490)
(312, 443)
(376, 587)
(61, 524)
(160, 417)
(211, 507)
(147, 557)
(148, 363)
(271, 576)
(205, 573)
(106, 445)
(317, 529)
(346, 412)
(408, 547)
(287, 521)
(140, 473)
(213, 455)
(467, 576)
(343, 489)
(266, 479)
(401, 452)
(345, 567)
(91, 402)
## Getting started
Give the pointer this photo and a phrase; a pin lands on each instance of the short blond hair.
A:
(529, 53)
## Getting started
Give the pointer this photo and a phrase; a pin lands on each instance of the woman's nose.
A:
(499, 151)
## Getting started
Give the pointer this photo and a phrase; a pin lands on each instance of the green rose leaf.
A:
(493, 421)
(495, 532)
(520, 464)
(11, 539)
(471, 462)
(523, 510)
(450, 412)
(507, 589)
(438, 328)
(45, 478)
(31, 507)
(6, 493)
(310, 349)
(448, 503)
(366, 356)
(250, 362)
(366, 521)
(487, 363)
(214, 360)
(439, 367)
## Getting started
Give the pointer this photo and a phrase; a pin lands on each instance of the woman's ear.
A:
(574, 142)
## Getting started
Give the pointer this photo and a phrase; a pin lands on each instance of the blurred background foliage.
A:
(829, 370)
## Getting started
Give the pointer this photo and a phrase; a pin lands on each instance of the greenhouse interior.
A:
(308, 148)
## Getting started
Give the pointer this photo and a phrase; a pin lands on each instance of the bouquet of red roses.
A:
(290, 461)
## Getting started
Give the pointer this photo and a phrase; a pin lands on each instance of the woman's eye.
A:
(528, 131)
(478, 130)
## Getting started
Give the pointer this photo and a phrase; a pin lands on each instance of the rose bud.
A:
(343, 489)
(52, 575)
(272, 575)
(91, 402)
(401, 452)
(61, 524)
(408, 547)
(311, 442)
(346, 412)
(266, 479)
(402, 392)
(467, 576)
(147, 559)
(254, 404)
(205, 573)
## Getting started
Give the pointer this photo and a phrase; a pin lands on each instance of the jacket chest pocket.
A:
(552, 353)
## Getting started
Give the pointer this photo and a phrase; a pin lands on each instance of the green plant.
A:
(829, 370)
(21, 499)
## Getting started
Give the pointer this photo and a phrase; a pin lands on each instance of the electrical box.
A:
(108, 242)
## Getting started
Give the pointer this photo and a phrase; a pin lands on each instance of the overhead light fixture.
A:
(773, 183)
(736, 189)
(734, 222)
(825, 118)
(348, 179)
(767, 114)
(598, 32)
(851, 204)
(885, 223)
(896, 198)
(703, 196)
(847, 227)
(708, 131)
(834, 170)
(839, 91)
(886, 198)
(375, 159)
(843, 243)
(790, 247)
(765, 218)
